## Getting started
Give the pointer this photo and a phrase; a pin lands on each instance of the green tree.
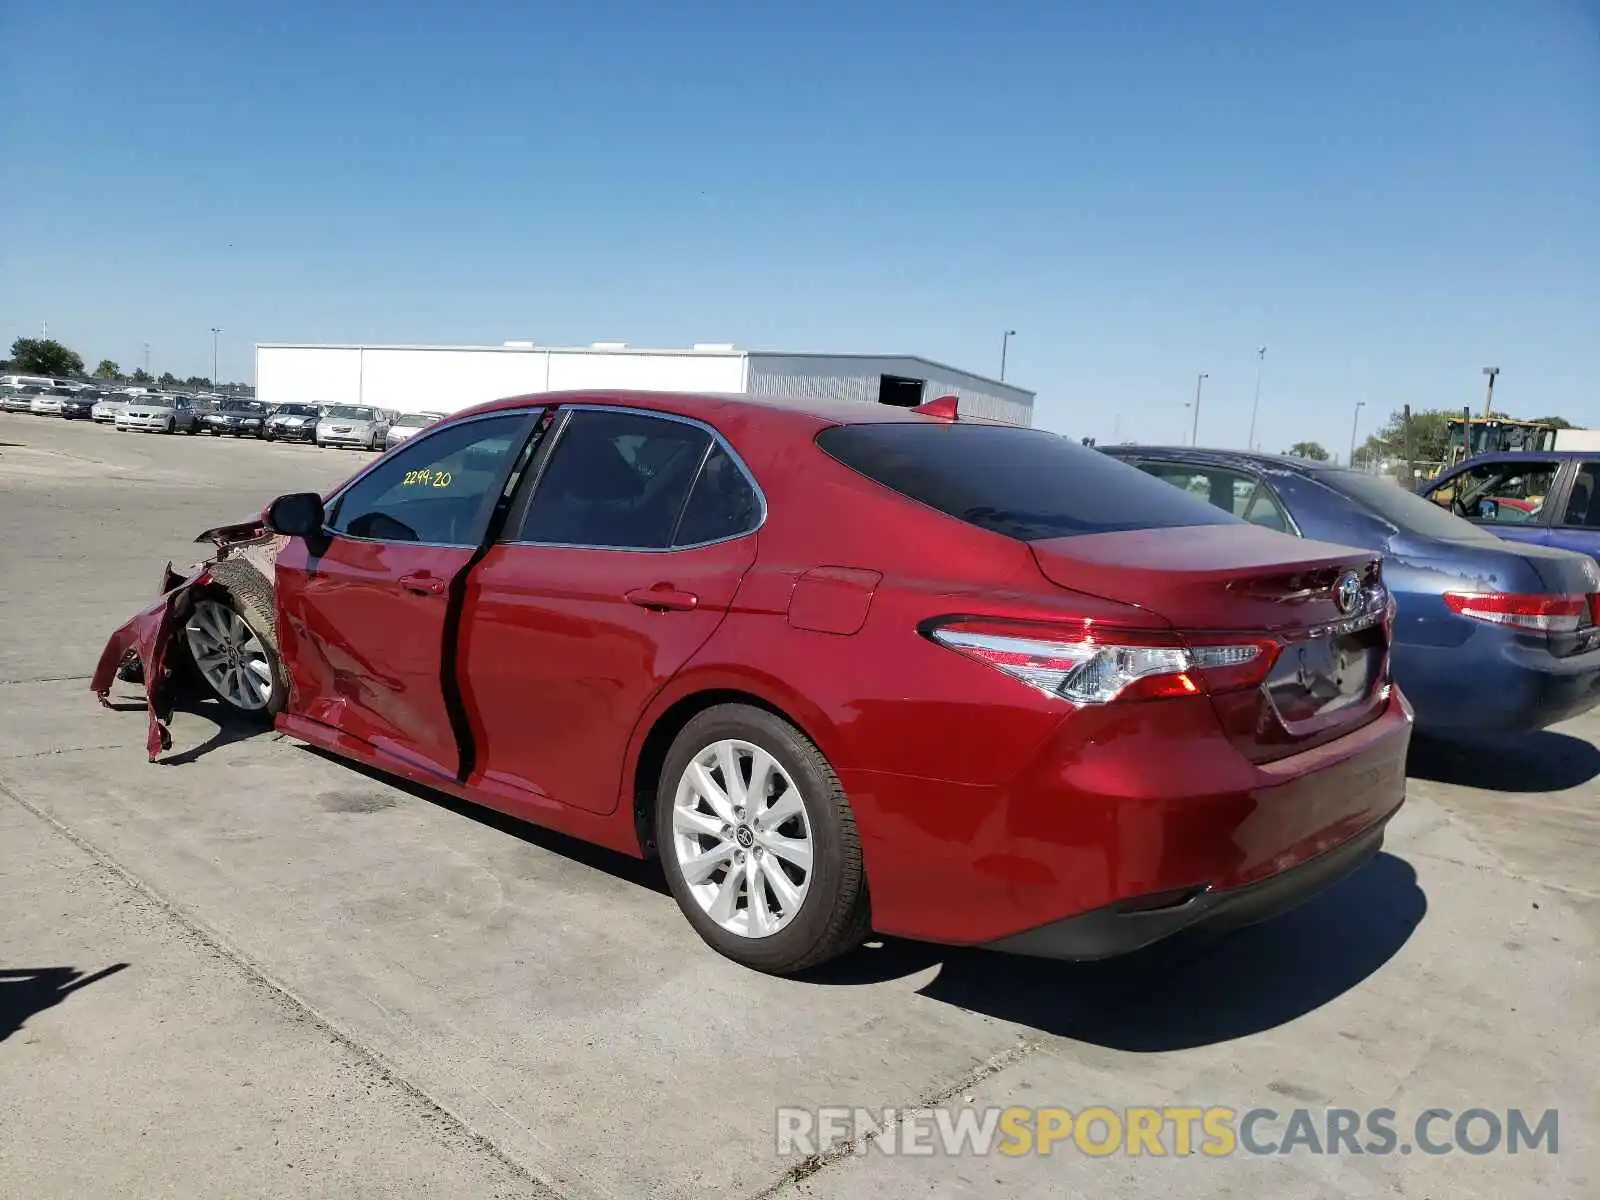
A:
(167, 380)
(44, 356)
(1556, 422)
(1429, 440)
(1309, 450)
(107, 370)
(197, 381)
(140, 375)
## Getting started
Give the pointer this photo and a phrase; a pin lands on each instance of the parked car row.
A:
(363, 427)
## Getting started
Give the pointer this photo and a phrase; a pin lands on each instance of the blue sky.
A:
(1389, 196)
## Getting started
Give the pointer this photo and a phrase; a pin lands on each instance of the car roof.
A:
(1244, 459)
(1514, 455)
(708, 406)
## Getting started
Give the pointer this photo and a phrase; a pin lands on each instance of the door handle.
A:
(664, 598)
(423, 584)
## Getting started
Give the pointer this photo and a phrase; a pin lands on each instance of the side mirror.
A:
(298, 514)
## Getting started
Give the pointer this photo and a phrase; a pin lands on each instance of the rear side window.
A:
(1232, 491)
(721, 505)
(1023, 483)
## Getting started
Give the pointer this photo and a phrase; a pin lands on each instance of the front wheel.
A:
(232, 636)
(758, 842)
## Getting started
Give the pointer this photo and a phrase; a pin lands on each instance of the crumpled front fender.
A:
(149, 635)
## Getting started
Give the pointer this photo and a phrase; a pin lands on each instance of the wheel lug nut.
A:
(738, 856)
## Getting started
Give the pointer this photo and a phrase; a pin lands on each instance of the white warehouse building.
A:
(446, 379)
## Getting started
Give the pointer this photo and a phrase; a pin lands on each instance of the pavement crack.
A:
(43, 679)
(811, 1164)
(280, 992)
(59, 750)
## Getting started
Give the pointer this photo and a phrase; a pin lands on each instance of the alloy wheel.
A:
(230, 656)
(742, 838)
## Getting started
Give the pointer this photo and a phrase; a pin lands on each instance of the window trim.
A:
(1560, 488)
(533, 478)
(1204, 465)
(331, 505)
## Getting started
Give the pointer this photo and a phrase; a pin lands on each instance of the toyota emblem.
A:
(1347, 593)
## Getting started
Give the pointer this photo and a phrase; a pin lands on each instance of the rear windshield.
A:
(349, 412)
(1023, 483)
(1405, 510)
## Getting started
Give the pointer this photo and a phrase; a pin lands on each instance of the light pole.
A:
(1488, 401)
(147, 358)
(1261, 359)
(214, 332)
(1194, 431)
(1354, 421)
(1005, 340)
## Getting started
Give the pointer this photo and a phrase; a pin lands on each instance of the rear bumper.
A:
(1119, 807)
(1131, 925)
(1515, 688)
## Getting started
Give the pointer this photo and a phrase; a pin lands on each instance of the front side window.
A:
(616, 480)
(1503, 493)
(438, 489)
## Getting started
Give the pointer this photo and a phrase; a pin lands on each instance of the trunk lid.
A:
(1223, 584)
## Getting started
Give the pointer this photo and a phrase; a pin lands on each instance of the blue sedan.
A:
(1548, 499)
(1489, 634)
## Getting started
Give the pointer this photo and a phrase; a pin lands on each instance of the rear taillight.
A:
(1543, 614)
(1086, 664)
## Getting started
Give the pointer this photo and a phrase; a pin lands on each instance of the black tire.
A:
(246, 592)
(835, 915)
(269, 436)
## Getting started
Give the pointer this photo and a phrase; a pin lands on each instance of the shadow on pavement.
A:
(230, 728)
(1195, 989)
(25, 992)
(1528, 762)
(646, 874)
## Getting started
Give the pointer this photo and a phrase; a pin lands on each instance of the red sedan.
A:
(840, 667)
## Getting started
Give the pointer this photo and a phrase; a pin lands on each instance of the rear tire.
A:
(232, 638)
(781, 839)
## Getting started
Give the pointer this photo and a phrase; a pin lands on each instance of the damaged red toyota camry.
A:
(840, 667)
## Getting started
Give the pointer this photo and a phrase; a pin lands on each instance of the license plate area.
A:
(1317, 679)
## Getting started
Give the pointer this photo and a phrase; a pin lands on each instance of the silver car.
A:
(352, 425)
(292, 423)
(107, 407)
(45, 404)
(19, 399)
(149, 413)
(408, 424)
